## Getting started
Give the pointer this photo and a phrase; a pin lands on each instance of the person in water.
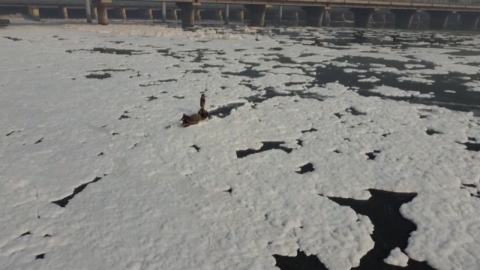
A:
(202, 114)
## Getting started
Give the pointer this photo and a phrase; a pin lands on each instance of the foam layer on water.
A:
(166, 197)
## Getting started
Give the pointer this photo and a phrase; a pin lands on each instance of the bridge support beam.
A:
(257, 14)
(238, 15)
(403, 18)
(469, 20)
(188, 13)
(362, 16)
(63, 12)
(102, 10)
(34, 13)
(121, 13)
(438, 19)
(314, 15)
(147, 14)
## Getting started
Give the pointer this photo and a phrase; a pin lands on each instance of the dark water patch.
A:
(179, 97)
(63, 202)
(432, 132)
(226, 110)
(24, 234)
(472, 146)
(464, 53)
(300, 142)
(13, 39)
(469, 185)
(355, 111)
(196, 147)
(276, 49)
(158, 82)
(271, 93)
(151, 98)
(212, 66)
(288, 84)
(39, 141)
(372, 155)
(249, 85)
(307, 55)
(391, 229)
(299, 262)
(472, 139)
(98, 76)
(279, 58)
(40, 256)
(463, 100)
(306, 168)
(366, 62)
(248, 72)
(112, 70)
(309, 130)
(109, 51)
(266, 146)
(197, 71)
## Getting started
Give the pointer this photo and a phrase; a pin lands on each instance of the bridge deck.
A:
(460, 5)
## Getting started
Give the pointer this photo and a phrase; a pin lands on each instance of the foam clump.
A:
(397, 257)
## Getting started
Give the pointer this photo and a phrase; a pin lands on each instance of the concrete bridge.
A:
(316, 10)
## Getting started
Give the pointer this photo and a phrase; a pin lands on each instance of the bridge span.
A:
(316, 10)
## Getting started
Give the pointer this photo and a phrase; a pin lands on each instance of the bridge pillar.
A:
(147, 14)
(362, 16)
(280, 14)
(379, 18)
(403, 18)
(314, 15)
(198, 16)
(102, 11)
(291, 16)
(94, 13)
(326, 17)
(238, 15)
(188, 13)
(63, 12)
(218, 15)
(257, 14)
(469, 20)
(172, 14)
(164, 12)
(34, 13)
(227, 14)
(438, 19)
(121, 13)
